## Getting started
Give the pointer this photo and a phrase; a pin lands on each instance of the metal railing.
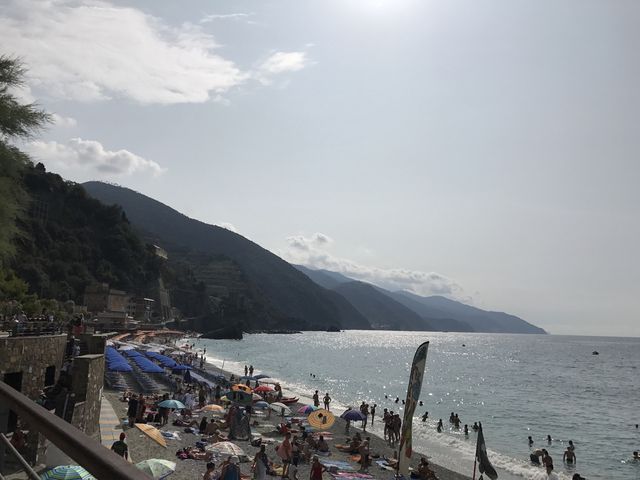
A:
(94, 457)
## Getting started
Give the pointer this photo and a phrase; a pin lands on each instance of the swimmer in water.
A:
(549, 440)
(535, 457)
(636, 457)
(569, 456)
(530, 441)
(397, 399)
(425, 416)
(439, 428)
(466, 430)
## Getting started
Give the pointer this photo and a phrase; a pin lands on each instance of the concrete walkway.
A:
(110, 428)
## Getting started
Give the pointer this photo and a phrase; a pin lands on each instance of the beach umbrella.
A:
(226, 449)
(213, 408)
(255, 397)
(153, 433)
(261, 404)
(321, 419)
(263, 388)
(157, 468)
(280, 408)
(352, 415)
(67, 472)
(260, 376)
(307, 409)
(241, 387)
(172, 404)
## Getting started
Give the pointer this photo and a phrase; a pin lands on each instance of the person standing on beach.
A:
(373, 413)
(285, 452)
(246, 370)
(364, 455)
(316, 469)
(251, 370)
(365, 416)
(316, 399)
(132, 411)
(326, 400)
(260, 464)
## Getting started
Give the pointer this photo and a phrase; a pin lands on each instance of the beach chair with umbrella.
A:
(321, 419)
(280, 408)
(67, 472)
(157, 468)
(307, 409)
(153, 433)
(170, 403)
(226, 449)
(353, 415)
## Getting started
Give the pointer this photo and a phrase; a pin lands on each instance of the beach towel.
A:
(350, 475)
(339, 464)
(384, 465)
(170, 435)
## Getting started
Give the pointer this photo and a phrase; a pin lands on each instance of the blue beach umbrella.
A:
(67, 472)
(261, 405)
(172, 404)
(352, 415)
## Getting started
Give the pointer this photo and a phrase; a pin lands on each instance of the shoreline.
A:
(378, 443)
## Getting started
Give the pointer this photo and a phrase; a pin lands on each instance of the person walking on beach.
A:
(120, 447)
(326, 400)
(316, 399)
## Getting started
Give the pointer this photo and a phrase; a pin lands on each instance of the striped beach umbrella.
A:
(321, 419)
(67, 472)
(157, 468)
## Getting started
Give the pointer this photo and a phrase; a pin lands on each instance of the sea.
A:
(516, 385)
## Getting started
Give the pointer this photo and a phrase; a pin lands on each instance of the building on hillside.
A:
(101, 298)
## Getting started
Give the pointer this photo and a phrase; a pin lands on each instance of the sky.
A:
(482, 150)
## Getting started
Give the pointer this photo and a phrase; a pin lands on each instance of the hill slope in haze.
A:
(437, 313)
(382, 311)
(288, 293)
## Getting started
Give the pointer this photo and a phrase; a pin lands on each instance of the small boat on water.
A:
(289, 400)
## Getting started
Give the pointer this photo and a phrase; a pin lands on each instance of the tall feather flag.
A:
(413, 394)
(484, 465)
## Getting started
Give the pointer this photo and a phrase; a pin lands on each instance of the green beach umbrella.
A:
(157, 468)
(67, 472)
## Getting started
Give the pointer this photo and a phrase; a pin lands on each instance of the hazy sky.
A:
(487, 150)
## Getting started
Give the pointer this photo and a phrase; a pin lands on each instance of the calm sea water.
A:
(516, 385)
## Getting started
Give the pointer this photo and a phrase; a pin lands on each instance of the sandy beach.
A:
(141, 447)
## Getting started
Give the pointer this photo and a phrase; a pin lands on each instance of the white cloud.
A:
(228, 226)
(61, 121)
(280, 62)
(93, 50)
(225, 16)
(90, 155)
(312, 252)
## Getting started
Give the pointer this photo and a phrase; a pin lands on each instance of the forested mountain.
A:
(268, 283)
(69, 240)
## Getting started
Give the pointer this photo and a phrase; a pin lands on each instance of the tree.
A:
(17, 121)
